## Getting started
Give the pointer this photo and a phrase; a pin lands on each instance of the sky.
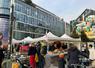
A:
(67, 9)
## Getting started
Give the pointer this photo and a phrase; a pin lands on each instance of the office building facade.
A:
(30, 20)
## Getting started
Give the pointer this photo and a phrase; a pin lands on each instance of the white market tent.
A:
(14, 41)
(27, 39)
(47, 37)
(51, 36)
(69, 39)
(66, 37)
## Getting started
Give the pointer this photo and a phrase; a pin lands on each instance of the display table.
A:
(51, 59)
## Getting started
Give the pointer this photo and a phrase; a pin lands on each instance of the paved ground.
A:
(53, 66)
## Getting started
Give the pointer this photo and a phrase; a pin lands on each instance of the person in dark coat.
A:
(61, 58)
(1, 55)
(53, 47)
(41, 62)
(38, 48)
(73, 56)
(17, 47)
(1, 50)
(31, 52)
(86, 51)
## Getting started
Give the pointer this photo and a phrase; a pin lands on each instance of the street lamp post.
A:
(11, 25)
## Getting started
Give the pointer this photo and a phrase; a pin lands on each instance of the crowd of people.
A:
(67, 57)
(72, 56)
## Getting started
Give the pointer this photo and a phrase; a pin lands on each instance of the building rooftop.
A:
(42, 9)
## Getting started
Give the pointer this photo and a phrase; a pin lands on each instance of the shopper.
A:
(92, 55)
(86, 60)
(41, 62)
(73, 56)
(61, 58)
(1, 49)
(32, 51)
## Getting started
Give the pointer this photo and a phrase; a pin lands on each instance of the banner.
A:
(88, 27)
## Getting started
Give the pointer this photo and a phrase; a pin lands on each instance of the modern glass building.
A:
(30, 20)
(4, 19)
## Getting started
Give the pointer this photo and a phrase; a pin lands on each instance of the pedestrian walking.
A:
(41, 62)
(2, 48)
(85, 60)
(73, 56)
(92, 56)
(32, 51)
(59, 50)
(61, 60)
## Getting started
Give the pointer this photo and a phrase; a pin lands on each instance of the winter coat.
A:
(73, 55)
(1, 51)
(32, 51)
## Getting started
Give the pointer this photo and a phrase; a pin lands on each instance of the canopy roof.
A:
(15, 41)
(47, 37)
(27, 39)
(66, 37)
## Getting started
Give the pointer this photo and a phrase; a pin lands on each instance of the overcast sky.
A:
(68, 9)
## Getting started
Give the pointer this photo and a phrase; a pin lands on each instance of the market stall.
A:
(47, 37)
(67, 38)
(14, 41)
(27, 39)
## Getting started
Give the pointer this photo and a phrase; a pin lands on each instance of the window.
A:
(17, 16)
(25, 19)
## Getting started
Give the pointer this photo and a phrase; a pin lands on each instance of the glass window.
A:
(17, 16)
(29, 20)
(28, 10)
(33, 21)
(16, 7)
(4, 3)
(25, 19)
(39, 18)
(4, 11)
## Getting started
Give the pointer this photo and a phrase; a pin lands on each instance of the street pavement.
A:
(53, 66)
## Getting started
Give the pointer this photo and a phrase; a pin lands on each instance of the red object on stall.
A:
(24, 48)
